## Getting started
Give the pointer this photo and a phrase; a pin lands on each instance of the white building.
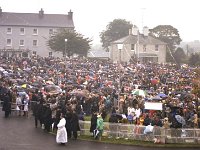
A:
(23, 34)
(141, 46)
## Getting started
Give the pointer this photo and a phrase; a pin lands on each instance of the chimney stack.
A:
(41, 13)
(145, 31)
(70, 15)
(0, 11)
(135, 30)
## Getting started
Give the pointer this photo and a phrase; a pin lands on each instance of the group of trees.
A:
(118, 28)
(69, 43)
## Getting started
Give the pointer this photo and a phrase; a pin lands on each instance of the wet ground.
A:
(19, 133)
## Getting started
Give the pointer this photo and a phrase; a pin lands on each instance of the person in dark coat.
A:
(6, 104)
(48, 118)
(147, 120)
(34, 101)
(74, 125)
(93, 124)
(57, 118)
(68, 124)
(37, 113)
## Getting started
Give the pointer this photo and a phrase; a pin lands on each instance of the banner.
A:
(153, 106)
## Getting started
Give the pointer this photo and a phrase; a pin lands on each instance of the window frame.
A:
(133, 46)
(35, 33)
(144, 48)
(7, 31)
(36, 42)
(156, 47)
(20, 42)
(22, 33)
(51, 31)
(7, 42)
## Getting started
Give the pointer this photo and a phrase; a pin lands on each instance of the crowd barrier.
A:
(14, 106)
(136, 132)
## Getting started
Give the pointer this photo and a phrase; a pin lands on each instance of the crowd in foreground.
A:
(78, 87)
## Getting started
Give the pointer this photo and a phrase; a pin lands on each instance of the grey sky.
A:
(92, 16)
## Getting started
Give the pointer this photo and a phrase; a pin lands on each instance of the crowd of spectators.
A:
(79, 87)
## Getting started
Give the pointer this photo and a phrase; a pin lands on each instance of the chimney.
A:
(0, 11)
(145, 31)
(135, 30)
(70, 15)
(130, 31)
(41, 13)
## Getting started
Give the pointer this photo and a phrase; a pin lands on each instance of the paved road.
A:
(18, 133)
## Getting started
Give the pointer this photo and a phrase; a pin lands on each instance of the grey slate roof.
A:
(33, 19)
(98, 54)
(132, 39)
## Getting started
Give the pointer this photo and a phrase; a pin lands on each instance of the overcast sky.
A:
(92, 16)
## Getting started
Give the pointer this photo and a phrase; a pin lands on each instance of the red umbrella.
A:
(154, 81)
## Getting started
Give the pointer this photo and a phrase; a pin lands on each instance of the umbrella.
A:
(154, 81)
(157, 98)
(139, 92)
(49, 82)
(52, 89)
(188, 87)
(162, 95)
(21, 93)
(180, 119)
(24, 86)
(84, 93)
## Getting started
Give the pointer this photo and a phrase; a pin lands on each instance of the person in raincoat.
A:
(100, 126)
(61, 136)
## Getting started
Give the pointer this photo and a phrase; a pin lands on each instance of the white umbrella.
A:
(139, 92)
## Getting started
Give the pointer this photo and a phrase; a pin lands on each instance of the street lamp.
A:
(65, 47)
(120, 47)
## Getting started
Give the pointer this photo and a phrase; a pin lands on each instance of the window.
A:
(132, 47)
(35, 43)
(50, 54)
(34, 52)
(22, 31)
(9, 42)
(50, 31)
(144, 48)
(9, 30)
(21, 43)
(35, 31)
(156, 47)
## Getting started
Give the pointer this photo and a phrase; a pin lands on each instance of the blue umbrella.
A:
(162, 95)
(156, 98)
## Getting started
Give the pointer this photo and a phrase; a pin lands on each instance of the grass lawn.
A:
(136, 143)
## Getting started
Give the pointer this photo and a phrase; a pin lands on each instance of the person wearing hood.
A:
(100, 126)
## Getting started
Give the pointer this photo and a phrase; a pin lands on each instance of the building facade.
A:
(138, 46)
(26, 34)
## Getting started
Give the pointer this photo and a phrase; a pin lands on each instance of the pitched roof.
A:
(132, 39)
(33, 19)
(98, 54)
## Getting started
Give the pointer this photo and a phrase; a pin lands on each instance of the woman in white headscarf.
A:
(61, 136)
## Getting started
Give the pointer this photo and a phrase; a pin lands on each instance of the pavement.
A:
(19, 133)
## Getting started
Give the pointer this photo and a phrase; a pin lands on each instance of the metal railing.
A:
(136, 132)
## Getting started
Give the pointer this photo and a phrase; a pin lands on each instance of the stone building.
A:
(26, 34)
(138, 46)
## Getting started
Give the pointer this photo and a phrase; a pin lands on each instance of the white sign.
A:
(153, 106)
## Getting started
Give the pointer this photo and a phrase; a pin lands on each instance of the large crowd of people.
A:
(79, 87)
